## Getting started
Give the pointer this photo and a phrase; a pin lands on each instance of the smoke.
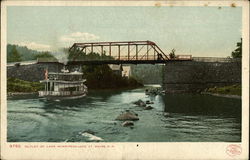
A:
(61, 55)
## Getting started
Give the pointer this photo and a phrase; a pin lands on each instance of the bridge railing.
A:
(184, 57)
(125, 58)
(216, 59)
(153, 57)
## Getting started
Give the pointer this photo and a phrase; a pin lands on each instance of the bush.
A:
(17, 85)
(102, 77)
(230, 90)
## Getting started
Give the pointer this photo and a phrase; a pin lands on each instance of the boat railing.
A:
(54, 93)
(59, 93)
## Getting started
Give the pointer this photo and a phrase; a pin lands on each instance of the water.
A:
(189, 118)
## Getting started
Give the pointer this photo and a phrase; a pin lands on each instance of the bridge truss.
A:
(124, 52)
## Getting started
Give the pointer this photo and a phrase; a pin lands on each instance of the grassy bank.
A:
(17, 85)
(226, 90)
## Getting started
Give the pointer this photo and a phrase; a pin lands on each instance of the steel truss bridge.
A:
(124, 52)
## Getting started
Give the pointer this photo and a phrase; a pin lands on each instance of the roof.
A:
(116, 67)
(42, 60)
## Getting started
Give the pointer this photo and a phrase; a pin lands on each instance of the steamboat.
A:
(63, 85)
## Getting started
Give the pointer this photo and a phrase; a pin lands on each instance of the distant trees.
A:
(78, 55)
(237, 53)
(24, 52)
(14, 56)
(16, 53)
(45, 55)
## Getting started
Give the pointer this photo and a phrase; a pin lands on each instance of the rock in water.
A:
(127, 123)
(166, 114)
(127, 116)
(148, 108)
(89, 131)
(91, 137)
(148, 102)
(140, 103)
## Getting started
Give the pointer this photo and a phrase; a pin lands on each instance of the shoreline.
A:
(222, 95)
(89, 90)
(20, 93)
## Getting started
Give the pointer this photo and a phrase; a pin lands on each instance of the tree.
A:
(14, 56)
(45, 55)
(80, 55)
(172, 54)
(237, 53)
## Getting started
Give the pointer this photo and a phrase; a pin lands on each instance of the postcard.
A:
(124, 80)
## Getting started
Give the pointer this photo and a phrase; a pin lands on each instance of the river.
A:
(174, 118)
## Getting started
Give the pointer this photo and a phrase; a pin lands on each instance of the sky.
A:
(199, 31)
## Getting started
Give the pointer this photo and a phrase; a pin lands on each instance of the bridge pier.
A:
(196, 76)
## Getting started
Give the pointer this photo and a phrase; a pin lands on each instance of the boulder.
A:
(130, 116)
(148, 102)
(127, 123)
(140, 103)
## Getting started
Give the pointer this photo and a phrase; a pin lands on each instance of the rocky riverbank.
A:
(222, 95)
(233, 91)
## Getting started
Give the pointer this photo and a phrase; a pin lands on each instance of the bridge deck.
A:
(98, 62)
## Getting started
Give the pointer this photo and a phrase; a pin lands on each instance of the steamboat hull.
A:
(64, 97)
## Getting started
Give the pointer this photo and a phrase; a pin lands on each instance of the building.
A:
(126, 71)
(116, 68)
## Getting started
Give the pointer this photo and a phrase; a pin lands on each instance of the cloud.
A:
(78, 37)
(36, 46)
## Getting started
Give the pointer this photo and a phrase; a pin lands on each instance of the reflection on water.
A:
(202, 104)
(174, 118)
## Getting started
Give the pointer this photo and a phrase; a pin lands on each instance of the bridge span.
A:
(124, 52)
